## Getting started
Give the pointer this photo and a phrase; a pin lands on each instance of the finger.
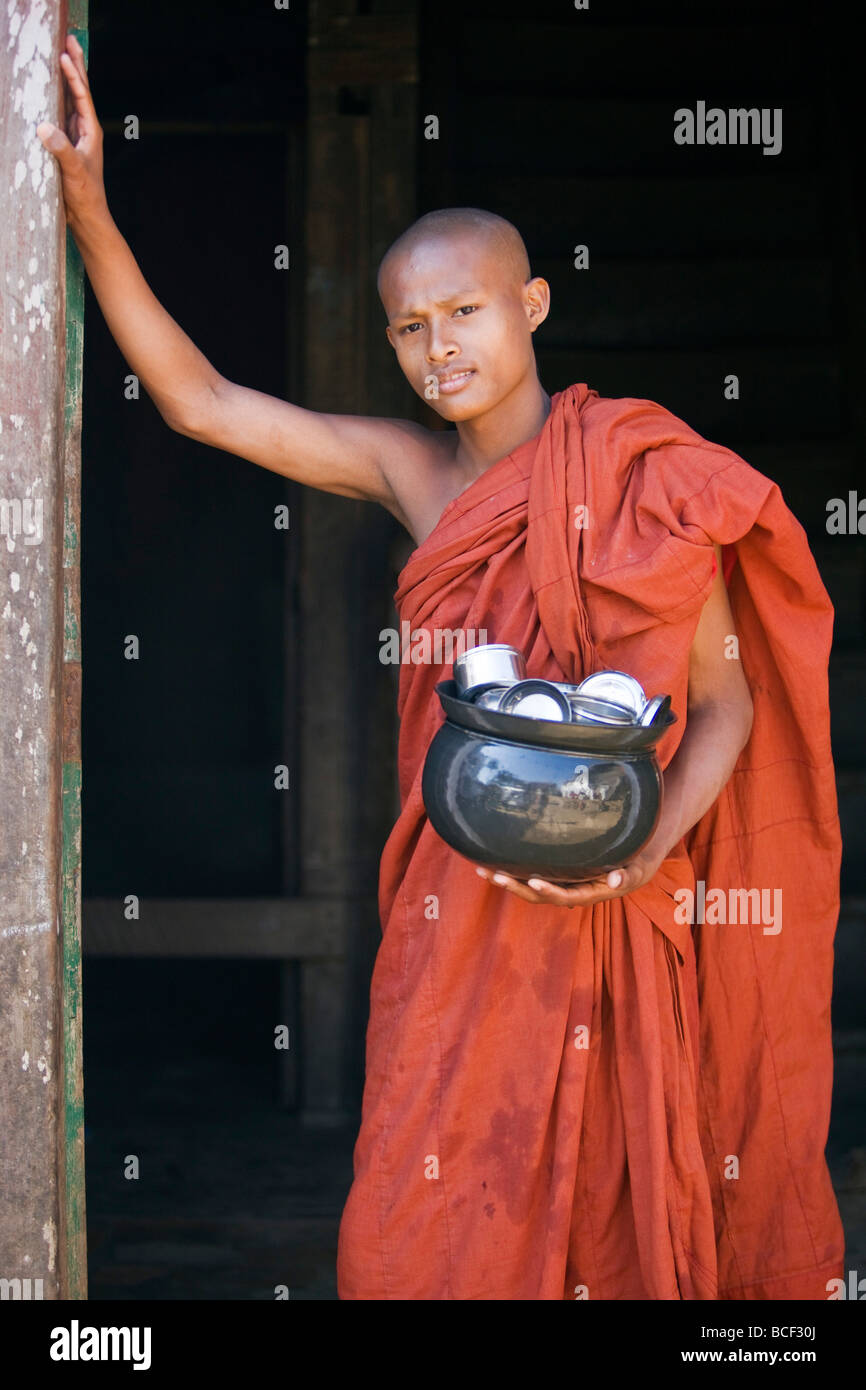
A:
(592, 891)
(82, 100)
(73, 65)
(54, 140)
(515, 886)
(76, 52)
(494, 875)
(599, 890)
(631, 876)
(542, 884)
(555, 892)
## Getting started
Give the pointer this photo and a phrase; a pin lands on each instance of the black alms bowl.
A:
(558, 813)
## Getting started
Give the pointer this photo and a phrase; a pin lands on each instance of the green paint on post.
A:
(74, 331)
(77, 22)
(73, 1084)
(72, 402)
(73, 1081)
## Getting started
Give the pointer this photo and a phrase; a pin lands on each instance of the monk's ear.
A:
(536, 297)
(390, 336)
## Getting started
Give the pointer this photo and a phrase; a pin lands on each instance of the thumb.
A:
(52, 138)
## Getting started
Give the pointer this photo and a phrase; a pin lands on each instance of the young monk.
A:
(588, 1092)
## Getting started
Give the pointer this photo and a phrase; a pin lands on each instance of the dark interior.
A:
(705, 262)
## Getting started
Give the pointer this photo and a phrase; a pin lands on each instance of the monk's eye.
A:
(466, 309)
(410, 327)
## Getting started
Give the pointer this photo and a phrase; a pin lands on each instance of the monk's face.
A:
(461, 319)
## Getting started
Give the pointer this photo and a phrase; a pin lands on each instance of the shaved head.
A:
(499, 235)
(461, 307)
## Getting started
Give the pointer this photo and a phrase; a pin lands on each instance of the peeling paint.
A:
(33, 929)
(32, 37)
(49, 1234)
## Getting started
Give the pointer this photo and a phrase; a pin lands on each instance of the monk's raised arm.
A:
(345, 454)
(351, 455)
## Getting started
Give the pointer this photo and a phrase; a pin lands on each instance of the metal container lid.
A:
(536, 699)
(618, 687)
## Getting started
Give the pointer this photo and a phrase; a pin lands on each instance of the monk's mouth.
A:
(455, 381)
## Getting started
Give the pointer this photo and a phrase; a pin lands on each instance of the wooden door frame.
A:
(42, 1199)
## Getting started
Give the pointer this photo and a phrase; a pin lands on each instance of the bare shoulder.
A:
(418, 465)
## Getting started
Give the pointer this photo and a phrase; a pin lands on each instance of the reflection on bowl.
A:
(531, 810)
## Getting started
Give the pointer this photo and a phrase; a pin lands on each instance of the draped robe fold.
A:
(611, 1102)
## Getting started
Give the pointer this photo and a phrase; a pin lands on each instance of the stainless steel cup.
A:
(493, 664)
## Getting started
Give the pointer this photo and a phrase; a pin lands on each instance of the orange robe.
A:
(675, 1150)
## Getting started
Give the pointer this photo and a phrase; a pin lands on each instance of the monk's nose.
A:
(441, 348)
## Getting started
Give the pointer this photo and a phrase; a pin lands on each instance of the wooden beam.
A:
(279, 928)
(229, 126)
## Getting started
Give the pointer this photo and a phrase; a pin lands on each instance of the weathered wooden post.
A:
(360, 194)
(42, 1229)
